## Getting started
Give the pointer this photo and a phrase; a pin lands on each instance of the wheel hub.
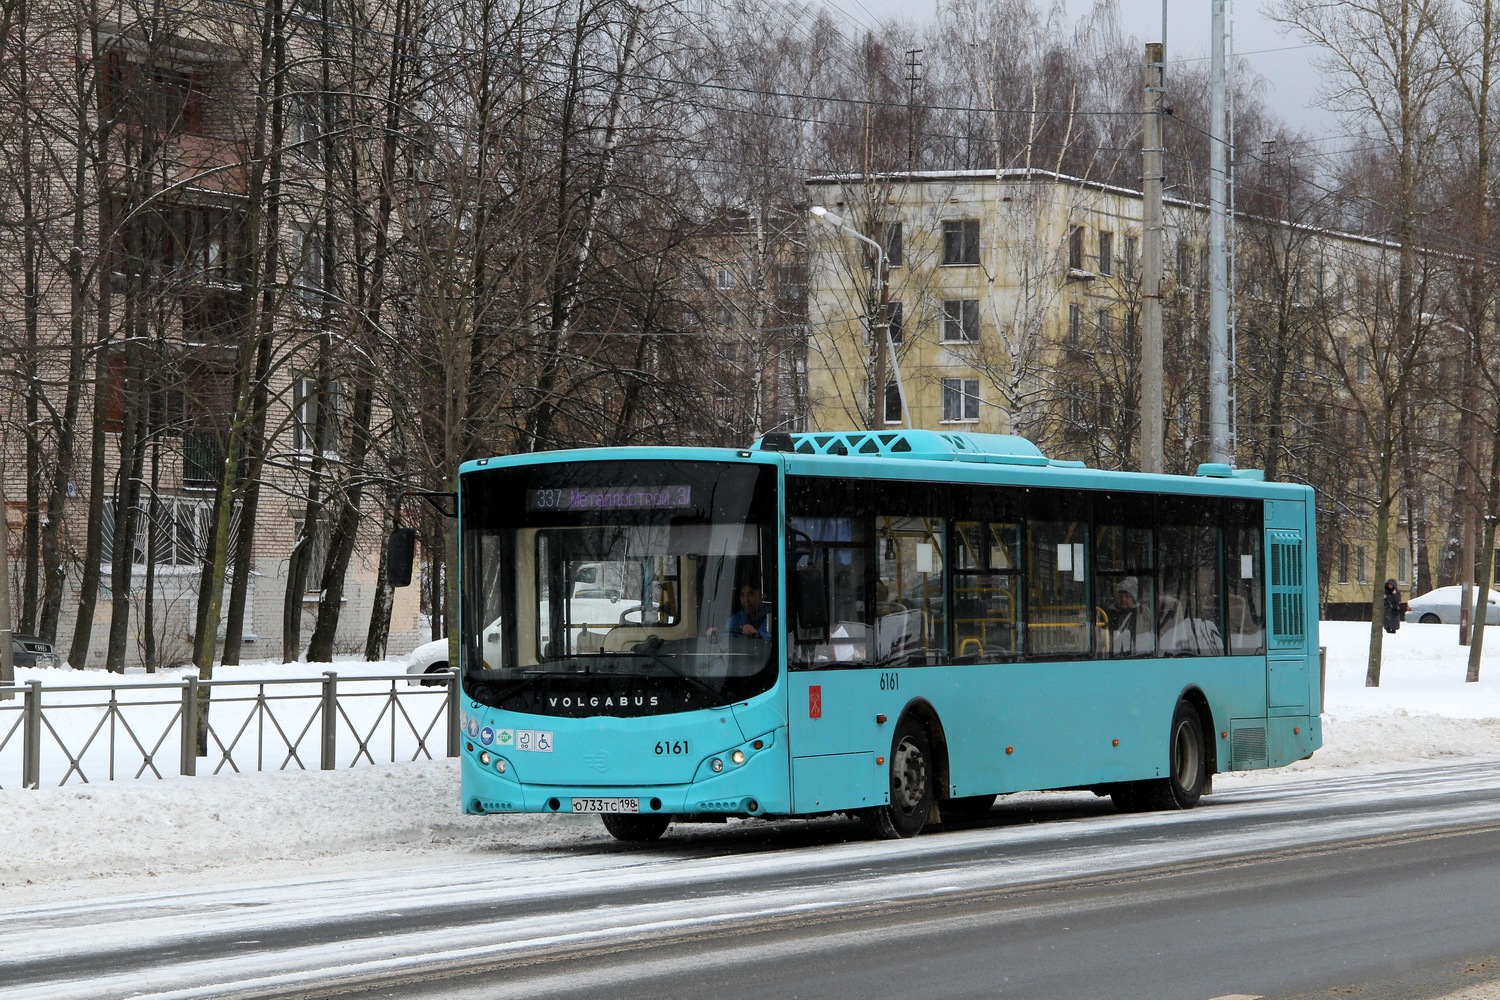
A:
(908, 777)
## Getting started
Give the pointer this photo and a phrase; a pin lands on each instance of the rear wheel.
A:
(1187, 770)
(1431, 619)
(636, 829)
(911, 785)
(441, 667)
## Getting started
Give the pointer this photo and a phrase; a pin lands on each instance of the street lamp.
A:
(881, 344)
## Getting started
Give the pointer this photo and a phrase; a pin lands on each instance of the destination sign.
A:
(611, 498)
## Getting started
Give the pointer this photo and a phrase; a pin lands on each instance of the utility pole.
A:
(880, 325)
(913, 77)
(1218, 288)
(879, 332)
(1152, 458)
(7, 642)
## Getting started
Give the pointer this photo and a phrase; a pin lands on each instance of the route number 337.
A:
(671, 748)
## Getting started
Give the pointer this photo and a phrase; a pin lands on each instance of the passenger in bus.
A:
(752, 620)
(1129, 621)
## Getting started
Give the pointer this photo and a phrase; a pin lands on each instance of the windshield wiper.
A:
(648, 650)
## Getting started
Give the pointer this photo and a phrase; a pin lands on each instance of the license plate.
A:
(606, 805)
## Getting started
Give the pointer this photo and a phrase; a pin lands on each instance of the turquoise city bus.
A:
(897, 626)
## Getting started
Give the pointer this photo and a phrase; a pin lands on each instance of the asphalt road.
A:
(1383, 885)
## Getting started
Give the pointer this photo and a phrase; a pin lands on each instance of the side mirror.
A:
(400, 552)
(810, 600)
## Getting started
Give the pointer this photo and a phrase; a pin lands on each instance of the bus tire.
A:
(911, 775)
(1187, 770)
(636, 829)
(1187, 762)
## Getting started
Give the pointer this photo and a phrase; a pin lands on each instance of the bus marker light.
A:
(469, 747)
(1296, 730)
(717, 765)
(759, 745)
(1224, 735)
(738, 756)
(879, 720)
(879, 760)
(1116, 743)
(1009, 751)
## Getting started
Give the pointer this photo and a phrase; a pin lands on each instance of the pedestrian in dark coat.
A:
(1395, 607)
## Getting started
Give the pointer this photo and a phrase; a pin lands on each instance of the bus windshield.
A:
(619, 588)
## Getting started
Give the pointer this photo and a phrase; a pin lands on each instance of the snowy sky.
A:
(111, 836)
(1255, 39)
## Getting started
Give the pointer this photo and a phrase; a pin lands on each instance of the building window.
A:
(1106, 253)
(1132, 255)
(960, 400)
(1106, 320)
(1185, 266)
(305, 404)
(182, 527)
(1364, 571)
(316, 551)
(892, 403)
(1403, 565)
(1075, 249)
(304, 128)
(1075, 325)
(308, 274)
(895, 321)
(960, 320)
(961, 241)
(724, 279)
(892, 245)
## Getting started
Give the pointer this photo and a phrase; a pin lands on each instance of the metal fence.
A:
(109, 732)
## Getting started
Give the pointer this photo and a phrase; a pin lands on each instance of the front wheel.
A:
(636, 829)
(1431, 619)
(911, 785)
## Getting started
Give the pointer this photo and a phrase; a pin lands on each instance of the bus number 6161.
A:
(671, 748)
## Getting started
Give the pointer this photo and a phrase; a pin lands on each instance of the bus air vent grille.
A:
(932, 446)
(1249, 745)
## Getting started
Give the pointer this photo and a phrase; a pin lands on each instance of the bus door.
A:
(1288, 677)
(833, 697)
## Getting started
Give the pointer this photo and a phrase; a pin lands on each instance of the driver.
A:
(752, 619)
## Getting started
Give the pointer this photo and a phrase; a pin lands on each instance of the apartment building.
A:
(1013, 302)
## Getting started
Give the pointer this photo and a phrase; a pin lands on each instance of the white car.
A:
(432, 657)
(428, 658)
(1441, 606)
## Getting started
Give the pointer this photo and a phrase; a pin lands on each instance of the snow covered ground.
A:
(107, 836)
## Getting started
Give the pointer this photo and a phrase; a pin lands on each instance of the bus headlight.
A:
(484, 758)
(717, 765)
(738, 757)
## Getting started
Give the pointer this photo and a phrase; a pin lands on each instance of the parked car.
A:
(1441, 606)
(29, 651)
(428, 658)
(432, 657)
